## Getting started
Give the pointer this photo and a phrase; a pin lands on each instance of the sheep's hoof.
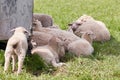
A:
(60, 64)
(14, 70)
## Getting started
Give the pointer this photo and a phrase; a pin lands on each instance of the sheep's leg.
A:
(14, 58)
(7, 60)
(20, 62)
(55, 64)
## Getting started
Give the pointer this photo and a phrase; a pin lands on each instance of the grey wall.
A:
(14, 13)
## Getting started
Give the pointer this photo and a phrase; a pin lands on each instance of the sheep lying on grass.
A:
(41, 39)
(85, 23)
(85, 44)
(16, 47)
(46, 20)
(65, 36)
(50, 52)
(40, 25)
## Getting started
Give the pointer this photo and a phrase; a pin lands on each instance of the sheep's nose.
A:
(29, 34)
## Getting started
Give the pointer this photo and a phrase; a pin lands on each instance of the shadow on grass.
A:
(111, 47)
(35, 65)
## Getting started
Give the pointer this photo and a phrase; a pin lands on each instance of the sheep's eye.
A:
(34, 24)
(70, 24)
(78, 24)
(88, 34)
(25, 32)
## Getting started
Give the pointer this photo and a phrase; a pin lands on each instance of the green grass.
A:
(104, 64)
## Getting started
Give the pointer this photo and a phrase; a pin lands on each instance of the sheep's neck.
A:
(53, 47)
(87, 38)
(38, 28)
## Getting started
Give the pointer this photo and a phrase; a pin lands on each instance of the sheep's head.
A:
(79, 22)
(88, 35)
(36, 25)
(74, 25)
(20, 29)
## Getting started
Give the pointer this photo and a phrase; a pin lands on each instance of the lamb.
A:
(16, 47)
(45, 19)
(50, 52)
(85, 23)
(40, 25)
(42, 38)
(85, 44)
(65, 36)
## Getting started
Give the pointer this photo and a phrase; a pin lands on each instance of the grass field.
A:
(104, 64)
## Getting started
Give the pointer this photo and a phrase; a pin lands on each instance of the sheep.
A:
(65, 36)
(84, 45)
(42, 38)
(50, 52)
(40, 25)
(16, 47)
(61, 34)
(85, 23)
(45, 19)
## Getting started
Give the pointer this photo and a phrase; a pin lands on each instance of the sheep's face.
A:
(36, 24)
(34, 44)
(74, 25)
(90, 34)
(79, 22)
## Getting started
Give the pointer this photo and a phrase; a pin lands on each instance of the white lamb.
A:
(51, 52)
(85, 23)
(16, 47)
(84, 45)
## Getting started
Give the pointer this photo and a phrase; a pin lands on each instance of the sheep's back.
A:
(99, 29)
(80, 47)
(40, 38)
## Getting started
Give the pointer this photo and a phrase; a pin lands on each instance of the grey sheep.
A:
(46, 20)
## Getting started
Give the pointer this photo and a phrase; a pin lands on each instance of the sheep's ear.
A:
(59, 41)
(82, 32)
(12, 30)
(27, 32)
(70, 24)
(79, 24)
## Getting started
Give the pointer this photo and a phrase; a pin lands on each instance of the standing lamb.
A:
(85, 23)
(85, 44)
(16, 47)
(50, 52)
